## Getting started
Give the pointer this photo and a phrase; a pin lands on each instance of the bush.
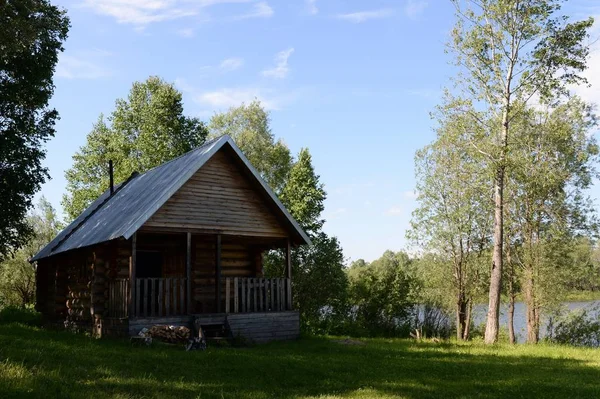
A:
(433, 321)
(24, 315)
(578, 328)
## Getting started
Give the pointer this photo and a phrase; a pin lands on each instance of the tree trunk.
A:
(491, 327)
(511, 297)
(511, 319)
(467, 330)
(493, 315)
(461, 316)
(531, 314)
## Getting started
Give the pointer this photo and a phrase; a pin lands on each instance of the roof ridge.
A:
(211, 141)
(100, 205)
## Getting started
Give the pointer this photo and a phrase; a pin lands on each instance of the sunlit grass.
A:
(40, 363)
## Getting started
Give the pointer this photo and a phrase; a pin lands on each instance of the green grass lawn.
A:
(41, 363)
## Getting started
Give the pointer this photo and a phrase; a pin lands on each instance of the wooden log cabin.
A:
(181, 244)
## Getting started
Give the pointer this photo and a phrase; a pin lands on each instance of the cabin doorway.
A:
(149, 265)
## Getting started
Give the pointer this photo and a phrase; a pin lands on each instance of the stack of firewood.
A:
(170, 334)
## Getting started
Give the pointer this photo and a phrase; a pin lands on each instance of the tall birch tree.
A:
(453, 215)
(507, 51)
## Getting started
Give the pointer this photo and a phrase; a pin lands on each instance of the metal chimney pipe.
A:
(110, 175)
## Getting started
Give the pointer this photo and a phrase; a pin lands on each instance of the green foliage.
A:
(585, 271)
(320, 284)
(383, 294)
(453, 220)
(577, 328)
(248, 125)
(17, 275)
(145, 130)
(40, 363)
(507, 53)
(22, 315)
(303, 194)
(31, 36)
(547, 207)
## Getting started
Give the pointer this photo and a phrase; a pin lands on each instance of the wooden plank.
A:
(137, 297)
(182, 308)
(248, 297)
(236, 307)
(255, 294)
(124, 306)
(266, 293)
(145, 311)
(168, 297)
(160, 297)
(288, 259)
(132, 275)
(218, 272)
(281, 296)
(188, 271)
(289, 294)
(153, 296)
(272, 294)
(243, 307)
(174, 303)
(227, 294)
(241, 295)
(260, 294)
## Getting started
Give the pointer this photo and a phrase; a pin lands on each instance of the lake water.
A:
(479, 316)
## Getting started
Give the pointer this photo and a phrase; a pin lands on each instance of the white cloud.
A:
(84, 65)
(281, 68)
(395, 211)
(414, 8)
(231, 97)
(362, 16)
(231, 64)
(259, 10)
(140, 13)
(273, 99)
(311, 6)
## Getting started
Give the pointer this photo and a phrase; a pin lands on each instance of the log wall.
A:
(72, 287)
(237, 260)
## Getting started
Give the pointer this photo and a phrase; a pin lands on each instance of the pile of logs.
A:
(170, 334)
(78, 301)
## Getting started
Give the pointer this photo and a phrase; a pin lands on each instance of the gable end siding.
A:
(219, 197)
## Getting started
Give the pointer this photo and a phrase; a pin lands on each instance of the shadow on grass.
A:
(41, 363)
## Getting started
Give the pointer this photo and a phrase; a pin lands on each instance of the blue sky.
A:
(354, 81)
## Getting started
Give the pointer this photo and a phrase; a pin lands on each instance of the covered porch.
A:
(174, 275)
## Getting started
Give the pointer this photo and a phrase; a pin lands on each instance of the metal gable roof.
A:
(137, 199)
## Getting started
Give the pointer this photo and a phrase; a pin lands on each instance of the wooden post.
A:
(132, 287)
(188, 272)
(227, 294)
(218, 273)
(288, 259)
(236, 304)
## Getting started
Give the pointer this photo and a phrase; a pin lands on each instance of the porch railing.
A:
(118, 294)
(257, 294)
(158, 297)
